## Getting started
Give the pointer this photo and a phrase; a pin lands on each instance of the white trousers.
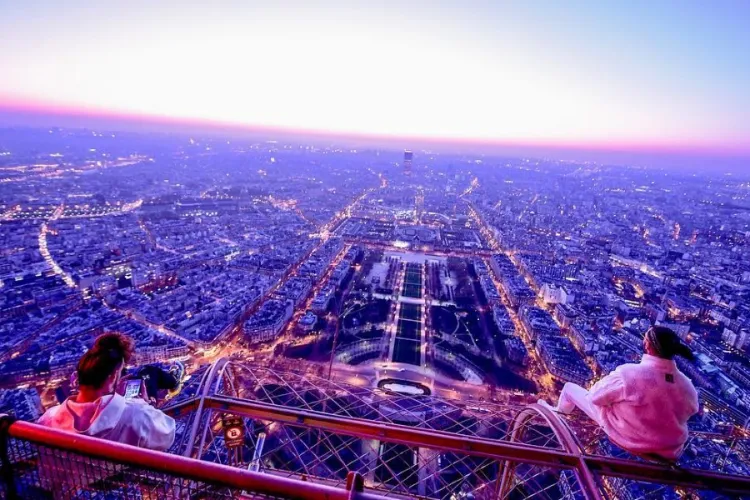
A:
(572, 396)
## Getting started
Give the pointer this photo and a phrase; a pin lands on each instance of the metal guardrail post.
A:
(588, 482)
(518, 426)
(589, 487)
(355, 484)
(203, 390)
(5, 466)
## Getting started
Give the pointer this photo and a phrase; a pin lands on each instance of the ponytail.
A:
(685, 352)
(667, 344)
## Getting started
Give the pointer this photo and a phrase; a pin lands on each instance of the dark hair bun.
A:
(115, 341)
(108, 353)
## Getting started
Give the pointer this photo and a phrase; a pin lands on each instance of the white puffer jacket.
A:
(128, 421)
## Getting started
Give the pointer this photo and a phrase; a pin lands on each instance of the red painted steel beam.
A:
(661, 474)
(393, 433)
(181, 408)
(500, 450)
(178, 466)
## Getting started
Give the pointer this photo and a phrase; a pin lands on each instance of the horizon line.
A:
(51, 109)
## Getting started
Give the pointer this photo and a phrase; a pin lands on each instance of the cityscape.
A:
(475, 280)
(327, 249)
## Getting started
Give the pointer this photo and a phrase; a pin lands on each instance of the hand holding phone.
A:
(133, 388)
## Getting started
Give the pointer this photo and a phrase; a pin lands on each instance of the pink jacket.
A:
(645, 407)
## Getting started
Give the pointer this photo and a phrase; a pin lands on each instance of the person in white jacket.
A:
(99, 411)
(644, 407)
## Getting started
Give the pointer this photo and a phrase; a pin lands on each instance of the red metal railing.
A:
(38, 458)
(34, 456)
(321, 429)
(511, 452)
(317, 454)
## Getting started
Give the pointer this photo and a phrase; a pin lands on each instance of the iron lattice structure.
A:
(300, 425)
(304, 436)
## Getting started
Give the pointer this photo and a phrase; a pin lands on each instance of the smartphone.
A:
(133, 388)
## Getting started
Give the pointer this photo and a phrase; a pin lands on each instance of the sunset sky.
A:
(663, 74)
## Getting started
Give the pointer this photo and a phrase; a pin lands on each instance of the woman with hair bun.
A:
(644, 407)
(99, 411)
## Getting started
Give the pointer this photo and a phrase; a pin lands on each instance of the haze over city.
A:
(670, 77)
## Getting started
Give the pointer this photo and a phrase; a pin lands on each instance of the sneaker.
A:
(542, 402)
(178, 370)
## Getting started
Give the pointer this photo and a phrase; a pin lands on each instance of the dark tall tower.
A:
(408, 157)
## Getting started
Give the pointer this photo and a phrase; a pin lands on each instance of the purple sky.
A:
(657, 76)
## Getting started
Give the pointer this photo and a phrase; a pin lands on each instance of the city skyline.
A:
(356, 250)
(660, 79)
(444, 290)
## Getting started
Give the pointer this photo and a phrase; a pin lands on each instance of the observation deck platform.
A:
(248, 432)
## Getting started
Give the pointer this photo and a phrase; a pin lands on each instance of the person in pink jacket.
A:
(99, 411)
(644, 407)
